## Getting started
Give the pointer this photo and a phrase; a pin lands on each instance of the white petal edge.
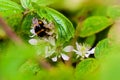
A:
(68, 48)
(32, 31)
(92, 51)
(78, 46)
(65, 57)
(87, 55)
(77, 52)
(33, 41)
(54, 59)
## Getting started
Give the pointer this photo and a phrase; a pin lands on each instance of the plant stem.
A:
(11, 34)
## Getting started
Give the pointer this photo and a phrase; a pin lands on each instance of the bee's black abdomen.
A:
(40, 30)
(42, 34)
(37, 28)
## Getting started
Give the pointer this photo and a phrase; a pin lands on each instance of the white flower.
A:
(83, 51)
(33, 41)
(63, 55)
(92, 51)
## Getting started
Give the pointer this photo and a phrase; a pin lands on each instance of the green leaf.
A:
(94, 25)
(26, 24)
(90, 40)
(43, 2)
(113, 12)
(64, 28)
(30, 66)
(26, 4)
(85, 69)
(100, 50)
(14, 21)
(6, 5)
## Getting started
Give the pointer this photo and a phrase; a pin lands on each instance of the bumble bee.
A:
(41, 28)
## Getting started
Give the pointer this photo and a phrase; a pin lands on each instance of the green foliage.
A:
(26, 26)
(90, 40)
(113, 12)
(12, 60)
(30, 66)
(45, 60)
(64, 27)
(86, 69)
(43, 2)
(100, 50)
(110, 65)
(26, 4)
(56, 73)
(94, 25)
(9, 7)
(100, 11)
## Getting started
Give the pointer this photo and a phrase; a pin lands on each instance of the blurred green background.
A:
(96, 23)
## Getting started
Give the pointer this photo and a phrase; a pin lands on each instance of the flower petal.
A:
(33, 41)
(54, 59)
(78, 46)
(68, 48)
(65, 57)
(77, 52)
(91, 51)
(32, 31)
(33, 35)
(87, 55)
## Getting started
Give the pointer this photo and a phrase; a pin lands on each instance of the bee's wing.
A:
(35, 21)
